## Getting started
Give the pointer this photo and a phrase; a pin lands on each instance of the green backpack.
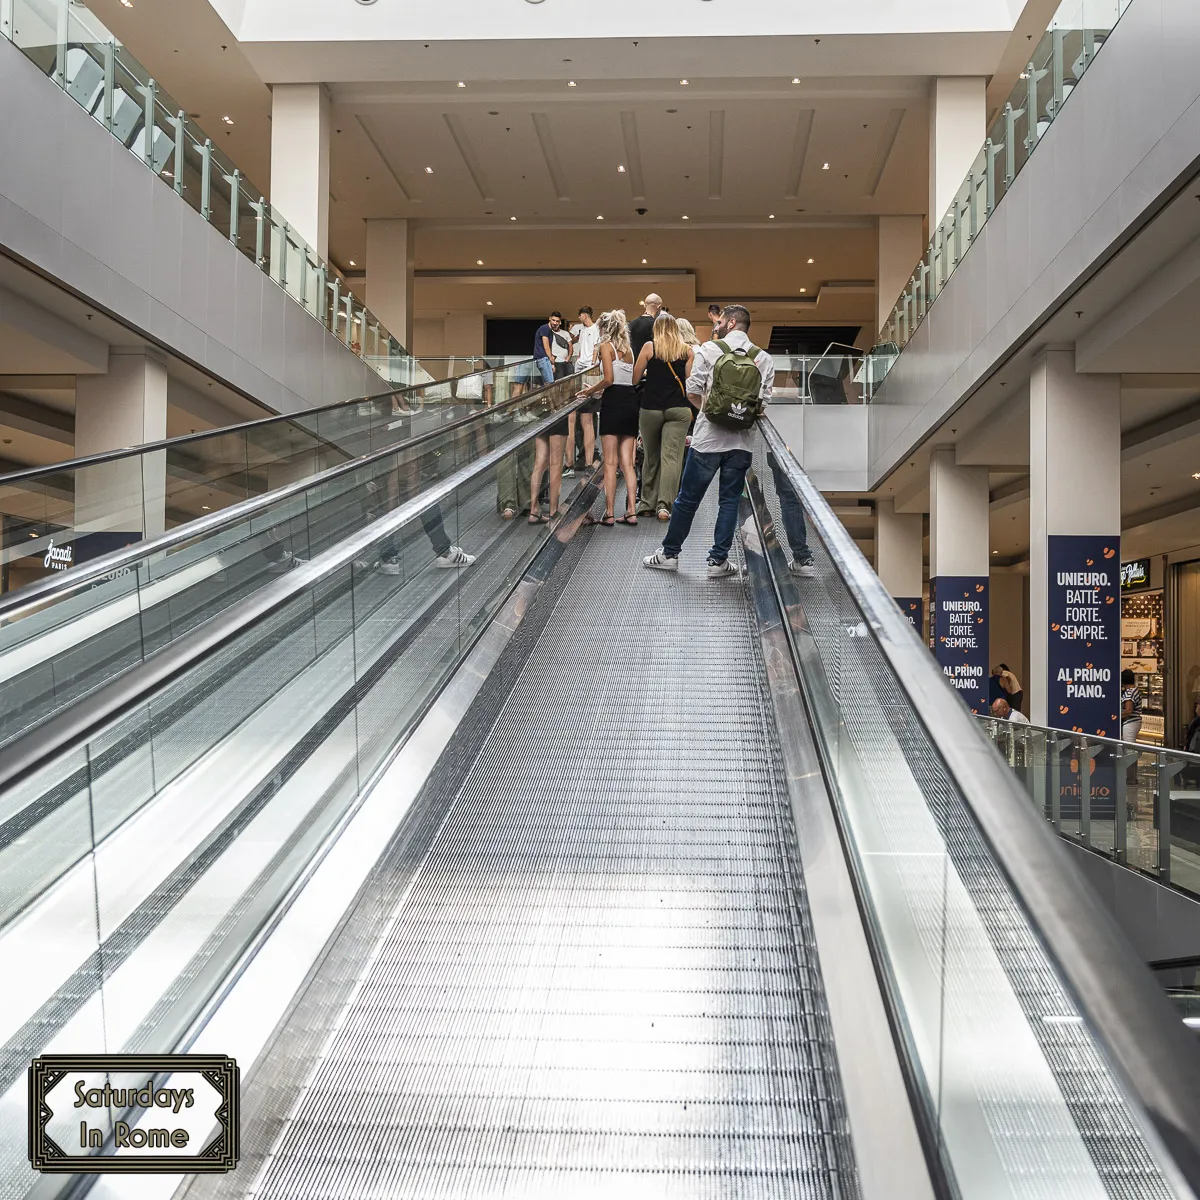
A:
(734, 399)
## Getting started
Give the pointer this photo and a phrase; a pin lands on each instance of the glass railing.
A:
(1138, 805)
(143, 858)
(56, 517)
(836, 377)
(1055, 67)
(71, 46)
(65, 639)
(1039, 1050)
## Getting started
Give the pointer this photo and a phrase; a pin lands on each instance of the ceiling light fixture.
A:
(621, 169)
(825, 167)
(684, 217)
(570, 83)
(770, 216)
(683, 82)
(428, 170)
(803, 290)
(353, 263)
(796, 80)
(643, 262)
(811, 261)
(204, 508)
(227, 120)
(599, 218)
(461, 84)
(1196, 475)
(489, 304)
(512, 218)
(479, 262)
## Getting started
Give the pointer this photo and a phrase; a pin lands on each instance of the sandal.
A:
(609, 521)
(538, 519)
(628, 519)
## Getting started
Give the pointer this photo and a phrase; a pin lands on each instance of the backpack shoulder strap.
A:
(724, 346)
(753, 351)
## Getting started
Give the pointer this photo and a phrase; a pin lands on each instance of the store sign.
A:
(960, 635)
(910, 606)
(1084, 611)
(58, 558)
(1135, 574)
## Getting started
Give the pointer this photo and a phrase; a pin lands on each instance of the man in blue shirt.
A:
(542, 358)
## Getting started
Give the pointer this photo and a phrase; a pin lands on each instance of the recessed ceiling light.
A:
(621, 168)
(803, 290)
(811, 261)
(995, 551)
(770, 216)
(570, 83)
(204, 508)
(461, 84)
(428, 170)
(127, 3)
(512, 218)
(1196, 475)
(796, 80)
(489, 304)
(684, 217)
(227, 120)
(825, 167)
(643, 262)
(353, 263)
(479, 262)
(684, 82)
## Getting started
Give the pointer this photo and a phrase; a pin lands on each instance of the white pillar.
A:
(390, 265)
(958, 573)
(1074, 545)
(125, 407)
(957, 130)
(900, 557)
(300, 160)
(901, 244)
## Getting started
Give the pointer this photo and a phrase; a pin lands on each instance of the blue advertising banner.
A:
(1084, 611)
(911, 607)
(960, 635)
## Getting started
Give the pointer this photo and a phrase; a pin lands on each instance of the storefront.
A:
(1143, 641)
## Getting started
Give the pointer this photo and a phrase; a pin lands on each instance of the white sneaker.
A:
(388, 566)
(660, 562)
(456, 556)
(721, 570)
(805, 568)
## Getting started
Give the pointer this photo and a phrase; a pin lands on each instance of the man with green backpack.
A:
(730, 383)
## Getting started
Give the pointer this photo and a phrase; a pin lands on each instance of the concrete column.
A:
(957, 129)
(125, 407)
(300, 122)
(1074, 545)
(901, 244)
(465, 333)
(958, 573)
(900, 557)
(390, 264)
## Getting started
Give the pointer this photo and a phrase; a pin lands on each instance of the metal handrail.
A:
(104, 456)
(81, 720)
(1115, 743)
(36, 594)
(1124, 1008)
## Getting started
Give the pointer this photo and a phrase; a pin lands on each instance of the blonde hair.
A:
(687, 331)
(615, 329)
(668, 342)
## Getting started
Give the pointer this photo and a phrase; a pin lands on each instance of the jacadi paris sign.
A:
(1084, 611)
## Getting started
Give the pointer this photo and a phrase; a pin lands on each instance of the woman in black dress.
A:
(618, 414)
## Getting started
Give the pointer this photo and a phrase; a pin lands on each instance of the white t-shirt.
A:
(588, 336)
(1018, 718)
(559, 353)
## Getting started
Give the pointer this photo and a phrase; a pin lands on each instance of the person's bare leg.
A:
(628, 453)
(541, 457)
(589, 438)
(609, 441)
(558, 445)
(569, 440)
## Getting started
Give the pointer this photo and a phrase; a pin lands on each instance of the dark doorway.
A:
(810, 339)
(512, 336)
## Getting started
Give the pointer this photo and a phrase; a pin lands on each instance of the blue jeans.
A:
(697, 475)
(547, 369)
(792, 512)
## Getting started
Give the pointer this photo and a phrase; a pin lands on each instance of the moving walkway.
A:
(556, 876)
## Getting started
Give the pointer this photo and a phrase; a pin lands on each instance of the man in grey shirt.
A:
(715, 451)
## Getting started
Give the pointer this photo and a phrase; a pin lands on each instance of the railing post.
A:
(990, 168)
(235, 201)
(110, 78)
(322, 307)
(1162, 803)
(283, 253)
(62, 29)
(1086, 755)
(206, 178)
(1031, 123)
(1054, 746)
(260, 210)
(336, 308)
(149, 98)
(1122, 762)
(1010, 144)
(973, 208)
(1060, 76)
(304, 276)
(180, 143)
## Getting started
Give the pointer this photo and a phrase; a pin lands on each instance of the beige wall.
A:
(1008, 606)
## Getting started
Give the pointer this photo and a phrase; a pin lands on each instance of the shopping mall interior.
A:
(386, 756)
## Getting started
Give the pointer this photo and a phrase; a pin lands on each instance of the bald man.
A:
(641, 329)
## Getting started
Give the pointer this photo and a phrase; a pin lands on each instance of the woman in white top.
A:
(618, 414)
